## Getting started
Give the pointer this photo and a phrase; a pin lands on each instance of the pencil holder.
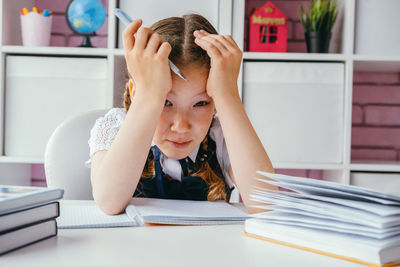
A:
(36, 29)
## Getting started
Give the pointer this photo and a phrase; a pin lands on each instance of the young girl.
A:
(168, 142)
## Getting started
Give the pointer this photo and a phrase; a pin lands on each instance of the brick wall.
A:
(376, 120)
(61, 34)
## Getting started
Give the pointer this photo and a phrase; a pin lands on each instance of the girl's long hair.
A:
(178, 32)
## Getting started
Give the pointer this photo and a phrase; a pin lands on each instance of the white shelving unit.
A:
(230, 17)
(340, 172)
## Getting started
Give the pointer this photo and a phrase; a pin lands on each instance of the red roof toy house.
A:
(268, 30)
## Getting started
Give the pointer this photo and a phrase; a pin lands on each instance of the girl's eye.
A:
(201, 103)
(167, 103)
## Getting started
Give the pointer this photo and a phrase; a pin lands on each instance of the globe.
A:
(85, 17)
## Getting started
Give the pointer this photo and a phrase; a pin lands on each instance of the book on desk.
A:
(141, 211)
(342, 221)
(27, 215)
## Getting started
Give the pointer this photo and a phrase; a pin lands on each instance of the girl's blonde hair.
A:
(178, 32)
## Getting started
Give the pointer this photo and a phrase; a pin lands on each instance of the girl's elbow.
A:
(107, 206)
(112, 209)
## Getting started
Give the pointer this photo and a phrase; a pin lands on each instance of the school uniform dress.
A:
(172, 179)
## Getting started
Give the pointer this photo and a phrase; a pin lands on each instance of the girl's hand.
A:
(226, 58)
(147, 60)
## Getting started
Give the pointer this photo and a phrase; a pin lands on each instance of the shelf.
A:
(308, 166)
(375, 165)
(293, 56)
(48, 50)
(119, 52)
(376, 63)
(28, 160)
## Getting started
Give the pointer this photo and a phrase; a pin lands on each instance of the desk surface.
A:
(222, 245)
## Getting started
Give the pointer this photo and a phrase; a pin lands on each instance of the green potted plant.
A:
(318, 22)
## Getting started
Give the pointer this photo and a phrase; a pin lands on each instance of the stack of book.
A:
(342, 221)
(27, 215)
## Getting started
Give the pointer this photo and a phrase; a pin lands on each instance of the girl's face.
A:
(187, 115)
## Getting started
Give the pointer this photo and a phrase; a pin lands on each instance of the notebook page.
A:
(90, 216)
(187, 209)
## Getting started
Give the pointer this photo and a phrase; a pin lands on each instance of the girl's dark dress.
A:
(190, 187)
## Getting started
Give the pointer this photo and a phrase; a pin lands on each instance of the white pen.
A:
(125, 19)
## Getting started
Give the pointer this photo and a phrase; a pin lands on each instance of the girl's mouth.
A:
(179, 144)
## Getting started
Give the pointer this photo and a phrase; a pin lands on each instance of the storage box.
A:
(382, 181)
(43, 91)
(297, 109)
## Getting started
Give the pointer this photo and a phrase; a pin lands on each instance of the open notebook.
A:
(148, 210)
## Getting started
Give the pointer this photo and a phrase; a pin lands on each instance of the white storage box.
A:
(297, 109)
(385, 182)
(43, 91)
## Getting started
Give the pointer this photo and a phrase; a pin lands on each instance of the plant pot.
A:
(317, 42)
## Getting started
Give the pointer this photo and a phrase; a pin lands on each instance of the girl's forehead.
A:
(195, 83)
(188, 89)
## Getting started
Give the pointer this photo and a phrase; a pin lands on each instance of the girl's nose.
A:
(181, 122)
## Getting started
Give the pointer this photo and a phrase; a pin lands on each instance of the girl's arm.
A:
(246, 152)
(115, 173)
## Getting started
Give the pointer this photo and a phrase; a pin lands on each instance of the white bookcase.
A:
(228, 16)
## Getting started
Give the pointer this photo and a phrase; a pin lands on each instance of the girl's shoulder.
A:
(217, 135)
(114, 114)
(113, 118)
(216, 130)
(105, 129)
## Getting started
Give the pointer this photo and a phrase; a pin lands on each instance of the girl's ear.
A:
(131, 88)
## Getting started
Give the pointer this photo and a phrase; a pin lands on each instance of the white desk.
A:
(162, 246)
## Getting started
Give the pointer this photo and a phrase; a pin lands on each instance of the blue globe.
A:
(85, 16)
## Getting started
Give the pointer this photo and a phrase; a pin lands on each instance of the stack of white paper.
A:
(352, 222)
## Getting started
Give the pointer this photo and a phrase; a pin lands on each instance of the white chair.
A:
(65, 154)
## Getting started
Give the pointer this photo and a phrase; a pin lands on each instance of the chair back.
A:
(65, 155)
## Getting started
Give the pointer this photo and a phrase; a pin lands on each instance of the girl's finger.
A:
(215, 40)
(164, 50)
(227, 40)
(212, 50)
(142, 38)
(127, 35)
(154, 43)
(230, 40)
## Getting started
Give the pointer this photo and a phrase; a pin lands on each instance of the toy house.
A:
(268, 30)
